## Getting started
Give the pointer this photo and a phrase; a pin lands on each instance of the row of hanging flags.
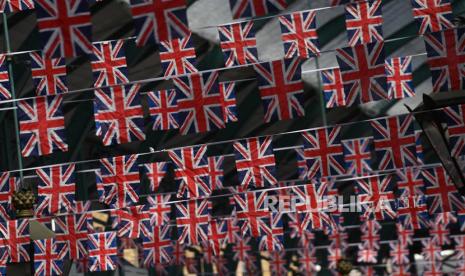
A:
(198, 102)
(417, 198)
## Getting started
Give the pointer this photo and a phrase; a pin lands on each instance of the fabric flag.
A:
(48, 74)
(439, 228)
(9, 6)
(242, 249)
(367, 255)
(298, 33)
(157, 246)
(134, 222)
(4, 256)
(446, 59)
(307, 261)
(41, 125)
(5, 86)
(118, 113)
(431, 251)
(333, 89)
(118, 181)
(253, 8)
(357, 155)
(233, 234)
(252, 214)
(399, 77)
(419, 147)
(64, 27)
(460, 248)
(163, 109)
(410, 182)
(177, 56)
(298, 223)
(399, 253)
(302, 169)
(228, 101)
(412, 212)
(364, 21)
(192, 220)
(323, 152)
(217, 235)
(56, 190)
(108, 62)
(238, 43)
(441, 192)
(15, 235)
(178, 253)
(160, 209)
(312, 202)
(432, 16)
(215, 172)
(401, 270)
(370, 234)
(255, 162)
(8, 185)
(455, 120)
(395, 144)
(363, 73)
(376, 197)
(281, 89)
(273, 238)
(278, 262)
(199, 103)
(159, 20)
(46, 259)
(102, 251)
(405, 235)
(191, 171)
(155, 173)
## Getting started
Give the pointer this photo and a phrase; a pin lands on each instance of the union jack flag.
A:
(177, 56)
(217, 235)
(159, 20)
(364, 21)
(412, 212)
(155, 173)
(395, 144)
(191, 171)
(399, 77)
(323, 152)
(64, 27)
(215, 172)
(357, 155)
(108, 62)
(56, 190)
(242, 249)
(238, 43)
(455, 120)
(157, 246)
(298, 32)
(178, 253)
(15, 235)
(312, 201)
(419, 147)
(335, 254)
(48, 74)
(252, 213)
(307, 261)
(376, 197)
(363, 73)
(118, 181)
(252, 8)
(367, 255)
(441, 193)
(299, 225)
(233, 234)
(410, 182)
(134, 222)
(439, 228)
(228, 101)
(163, 109)
(273, 237)
(399, 253)
(278, 262)
(281, 89)
(446, 59)
(400, 270)
(118, 113)
(46, 259)
(432, 16)
(199, 102)
(431, 251)
(8, 6)
(460, 248)
(4, 80)
(255, 162)
(405, 236)
(102, 251)
(160, 209)
(41, 125)
(4, 255)
(370, 234)
(8, 185)
(192, 220)
(333, 89)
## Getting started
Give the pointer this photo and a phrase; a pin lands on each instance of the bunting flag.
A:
(217, 235)
(48, 74)
(455, 120)
(298, 33)
(335, 254)
(460, 248)
(410, 182)
(298, 223)
(192, 220)
(102, 251)
(118, 181)
(56, 190)
(8, 185)
(399, 77)
(242, 249)
(228, 101)
(108, 62)
(441, 194)
(64, 27)
(233, 234)
(4, 255)
(5, 86)
(364, 21)
(376, 197)
(278, 262)
(9, 6)
(155, 173)
(252, 213)
(307, 260)
(274, 234)
(401, 270)
(252, 8)
(370, 234)
(399, 254)
(15, 235)
(157, 246)
(160, 209)
(394, 140)
(255, 162)
(178, 253)
(312, 201)
(215, 172)
(333, 89)
(41, 125)
(70, 235)
(367, 255)
(163, 109)
(431, 252)
(446, 58)
(405, 235)
(118, 113)
(439, 228)
(177, 56)
(159, 20)
(357, 155)
(281, 89)
(238, 43)
(363, 73)
(412, 212)
(323, 152)
(46, 260)
(419, 147)
(432, 16)
(199, 102)
(134, 222)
